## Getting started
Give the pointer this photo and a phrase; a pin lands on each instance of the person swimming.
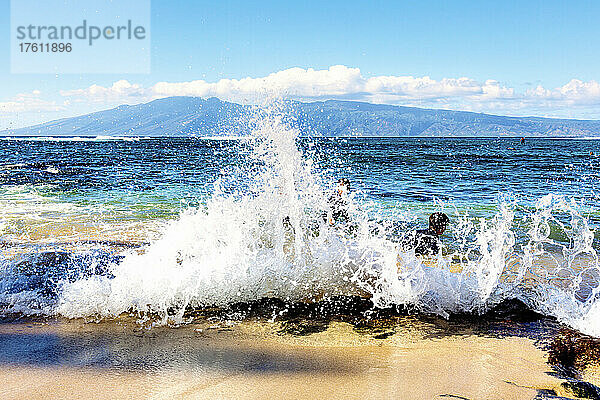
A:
(427, 241)
(338, 203)
(337, 216)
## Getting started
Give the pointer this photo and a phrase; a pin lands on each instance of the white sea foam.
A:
(271, 240)
(589, 322)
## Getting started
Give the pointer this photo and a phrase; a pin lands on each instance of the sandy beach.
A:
(286, 200)
(70, 359)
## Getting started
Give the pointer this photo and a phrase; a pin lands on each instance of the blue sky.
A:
(526, 51)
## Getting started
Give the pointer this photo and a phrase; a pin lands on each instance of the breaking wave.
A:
(268, 234)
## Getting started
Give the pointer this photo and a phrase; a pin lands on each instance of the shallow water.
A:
(159, 226)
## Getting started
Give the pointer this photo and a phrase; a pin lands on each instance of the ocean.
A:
(155, 227)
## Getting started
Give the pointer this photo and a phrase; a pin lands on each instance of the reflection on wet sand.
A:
(212, 360)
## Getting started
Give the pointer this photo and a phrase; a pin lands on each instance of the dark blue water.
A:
(470, 171)
(158, 178)
(59, 195)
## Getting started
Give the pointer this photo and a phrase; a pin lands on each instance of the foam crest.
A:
(267, 239)
(265, 231)
(562, 272)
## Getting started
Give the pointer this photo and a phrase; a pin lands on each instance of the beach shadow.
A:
(167, 349)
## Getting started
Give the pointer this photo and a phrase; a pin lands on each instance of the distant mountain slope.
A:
(173, 116)
(192, 116)
(364, 119)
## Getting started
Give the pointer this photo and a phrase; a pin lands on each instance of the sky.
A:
(505, 57)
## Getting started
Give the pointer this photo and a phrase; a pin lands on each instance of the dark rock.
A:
(582, 390)
(571, 351)
(303, 327)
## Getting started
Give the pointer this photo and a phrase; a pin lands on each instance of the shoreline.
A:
(405, 357)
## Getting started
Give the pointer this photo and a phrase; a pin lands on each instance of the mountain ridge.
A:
(194, 116)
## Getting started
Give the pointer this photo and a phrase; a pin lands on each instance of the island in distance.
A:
(194, 116)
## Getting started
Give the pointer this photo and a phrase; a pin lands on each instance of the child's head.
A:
(438, 222)
(343, 186)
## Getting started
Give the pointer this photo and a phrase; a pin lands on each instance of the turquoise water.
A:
(164, 223)
(390, 170)
(156, 179)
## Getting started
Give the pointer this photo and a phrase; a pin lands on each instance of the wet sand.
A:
(592, 374)
(63, 359)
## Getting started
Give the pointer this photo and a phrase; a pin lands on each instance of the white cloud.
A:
(31, 102)
(120, 91)
(341, 82)
(304, 84)
(336, 82)
(574, 92)
(574, 99)
(290, 83)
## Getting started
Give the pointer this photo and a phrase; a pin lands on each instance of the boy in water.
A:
(338, 203)
(337, 213)
(427, 241)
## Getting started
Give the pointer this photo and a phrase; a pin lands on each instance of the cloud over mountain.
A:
(575, 99)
